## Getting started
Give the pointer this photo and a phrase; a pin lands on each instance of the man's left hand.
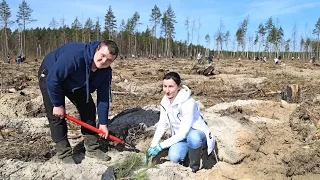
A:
(105, 130)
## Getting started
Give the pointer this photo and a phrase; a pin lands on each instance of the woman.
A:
(189, 133)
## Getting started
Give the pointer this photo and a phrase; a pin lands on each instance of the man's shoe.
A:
(91, 145)
(64, 151)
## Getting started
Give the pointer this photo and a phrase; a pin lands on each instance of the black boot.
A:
(208, 161)
(92, 145)
(64, 151)
(186, 161)
(194, 157)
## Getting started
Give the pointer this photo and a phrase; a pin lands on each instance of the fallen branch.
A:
(273, 92)
(1, 135)
(119, 92)
(246, 94)
(123, 93)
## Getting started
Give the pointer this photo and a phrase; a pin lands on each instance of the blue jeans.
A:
(195, 139)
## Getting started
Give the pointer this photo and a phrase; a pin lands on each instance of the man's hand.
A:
(59, 111)
(105, 130)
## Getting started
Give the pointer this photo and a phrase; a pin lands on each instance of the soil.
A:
(258, 134)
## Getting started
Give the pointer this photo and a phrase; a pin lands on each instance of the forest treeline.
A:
(158, 39)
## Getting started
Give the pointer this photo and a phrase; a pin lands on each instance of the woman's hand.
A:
(105, 130)
(153, 151)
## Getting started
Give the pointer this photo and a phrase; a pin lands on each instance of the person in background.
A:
(19, 59)
(277, 61)
(199, 58)
(313, 60)
(8, 59)
(189, 132)
(264, 58)
(75, 70)
(210, 58)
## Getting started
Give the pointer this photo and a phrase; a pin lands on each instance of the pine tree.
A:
(97, 29)
(88, 28)
(76, 26)
(168, 20)
(24, 18)
(5, 15)
(110, 22)
(155, 19)
(316, 31)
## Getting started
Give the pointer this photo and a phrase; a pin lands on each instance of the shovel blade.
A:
(131, 147)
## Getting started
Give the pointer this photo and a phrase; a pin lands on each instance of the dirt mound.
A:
(246, 135)
(25, 103)
(25, 139)
(26, 147)
(303, 160)
(305, 121)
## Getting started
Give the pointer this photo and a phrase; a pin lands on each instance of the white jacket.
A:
(199, 56)
(180, 116)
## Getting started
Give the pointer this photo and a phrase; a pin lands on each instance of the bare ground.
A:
(241, 102)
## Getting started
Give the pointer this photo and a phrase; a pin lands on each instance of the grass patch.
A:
(125, 168)
(141, 175)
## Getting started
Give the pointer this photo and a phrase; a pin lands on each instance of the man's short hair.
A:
(112, 46)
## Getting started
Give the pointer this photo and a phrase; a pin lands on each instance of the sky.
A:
(286, 13)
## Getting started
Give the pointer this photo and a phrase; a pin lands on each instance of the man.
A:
(313, 60)
(210, 58)
(264, 58)
(8, 59)
(76, 70)
(277, 61)
(19, 59)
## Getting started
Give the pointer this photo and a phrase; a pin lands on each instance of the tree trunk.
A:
(135, 46)
(318, 46)
(156, 42)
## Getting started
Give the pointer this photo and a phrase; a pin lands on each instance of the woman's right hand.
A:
(154, 151)
(59, 111)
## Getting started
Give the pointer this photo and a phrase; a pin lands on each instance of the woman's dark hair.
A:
(112, 46)
(174, 76)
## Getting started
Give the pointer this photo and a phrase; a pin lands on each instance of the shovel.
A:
(98, 131)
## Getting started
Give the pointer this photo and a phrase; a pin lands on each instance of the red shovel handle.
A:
(94, 129)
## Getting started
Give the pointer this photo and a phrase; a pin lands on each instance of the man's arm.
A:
(103, 98)
(62, 68)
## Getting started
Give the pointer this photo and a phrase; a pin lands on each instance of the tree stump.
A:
(207, 70)
(290, 93)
